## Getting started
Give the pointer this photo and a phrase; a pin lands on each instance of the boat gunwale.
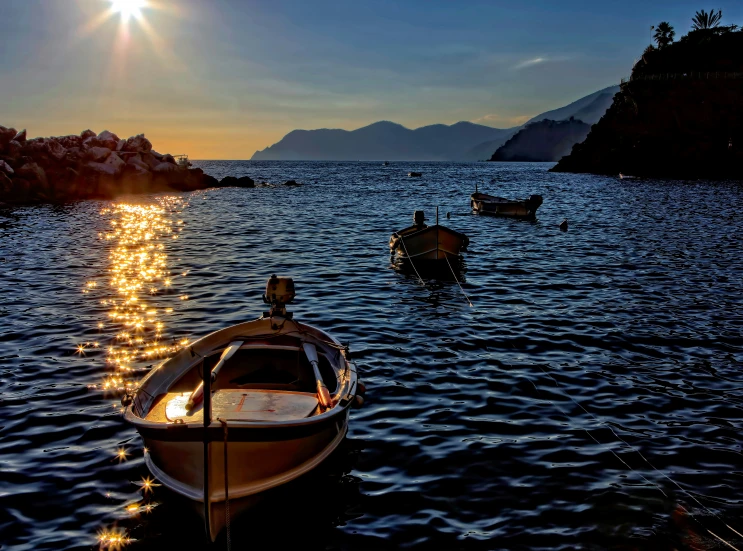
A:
(196, 429)
(415, 233)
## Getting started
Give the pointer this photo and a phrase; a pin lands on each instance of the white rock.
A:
(5, 167)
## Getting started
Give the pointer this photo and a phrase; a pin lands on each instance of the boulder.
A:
(228, 181)
(56, 149)
(208, 181)
(35, 148)
(5, 168)
(168, 158)
(74, 155)
(70, 141)
(85, 134)
(13, 149)
(138, 143)
(97, 154)
(292, 183)
(107, 139)
(33, 173)
(101, 168)
(157, 155)
(136, 160)
(21, 136)
(6, 134)
(149, 160)
(6, 185)
(116, 163)
(165, 167)
(120, 145)
(21, 191)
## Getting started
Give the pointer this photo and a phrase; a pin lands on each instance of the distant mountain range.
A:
(588, 109)
(384, 140)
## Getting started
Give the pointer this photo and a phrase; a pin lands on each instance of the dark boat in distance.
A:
(525, 209)
(420, 242)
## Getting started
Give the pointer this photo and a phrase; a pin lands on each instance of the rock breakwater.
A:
(88, 166)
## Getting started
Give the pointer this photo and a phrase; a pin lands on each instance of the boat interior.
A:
(271, 371)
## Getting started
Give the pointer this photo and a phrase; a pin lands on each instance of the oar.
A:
(198, 394)
(323, 394)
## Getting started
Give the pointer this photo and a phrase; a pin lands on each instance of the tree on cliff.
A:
(706, 20)
(664, 34)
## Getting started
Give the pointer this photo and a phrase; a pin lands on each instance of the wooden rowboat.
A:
(524, 209)
(245, 409)
(420, 242)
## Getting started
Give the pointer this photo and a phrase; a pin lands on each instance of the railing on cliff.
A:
(692, 75)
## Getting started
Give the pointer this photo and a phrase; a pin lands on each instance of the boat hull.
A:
(482, 203)
(253, 467)
(434, 243)
(272, 436)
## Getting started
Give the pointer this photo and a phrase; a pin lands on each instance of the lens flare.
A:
(128, 8)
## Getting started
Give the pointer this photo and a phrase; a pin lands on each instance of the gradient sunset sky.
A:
(220, 79)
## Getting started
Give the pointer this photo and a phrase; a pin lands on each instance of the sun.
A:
(128, 8)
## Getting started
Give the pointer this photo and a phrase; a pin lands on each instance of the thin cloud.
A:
(502, 120)
(531, 62)
(539, 60)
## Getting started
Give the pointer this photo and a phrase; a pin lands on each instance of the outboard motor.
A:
(535, 201)
(279, 292)
(419, 217)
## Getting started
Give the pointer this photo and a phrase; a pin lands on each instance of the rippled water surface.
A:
(591, 398)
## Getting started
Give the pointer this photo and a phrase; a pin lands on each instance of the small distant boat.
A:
(525, 209)
(625, 177)
(386, 163)
(415, 174)
(422, 242)
(266, 401)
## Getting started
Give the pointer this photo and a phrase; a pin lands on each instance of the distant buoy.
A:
(564, 225)
(448, 215)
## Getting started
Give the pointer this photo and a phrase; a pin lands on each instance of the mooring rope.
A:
(411, 261)
(457, 280)
(688, 493)
(226, 486)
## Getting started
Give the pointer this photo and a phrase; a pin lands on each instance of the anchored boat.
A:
(421, 242)
(525, 209)
(245, 409)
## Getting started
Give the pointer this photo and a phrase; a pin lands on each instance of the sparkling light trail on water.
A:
(139, 290)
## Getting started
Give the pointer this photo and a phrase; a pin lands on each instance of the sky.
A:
(220, 79)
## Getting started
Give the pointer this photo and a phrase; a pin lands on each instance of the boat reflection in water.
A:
(245, 410)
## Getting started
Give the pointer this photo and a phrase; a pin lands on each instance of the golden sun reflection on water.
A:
(138, 280)
(137, 295)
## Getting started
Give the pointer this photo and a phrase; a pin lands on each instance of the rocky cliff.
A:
(88, 166)
(543, 141)
(680, 115)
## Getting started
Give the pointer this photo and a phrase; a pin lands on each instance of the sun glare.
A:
(128, 8)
